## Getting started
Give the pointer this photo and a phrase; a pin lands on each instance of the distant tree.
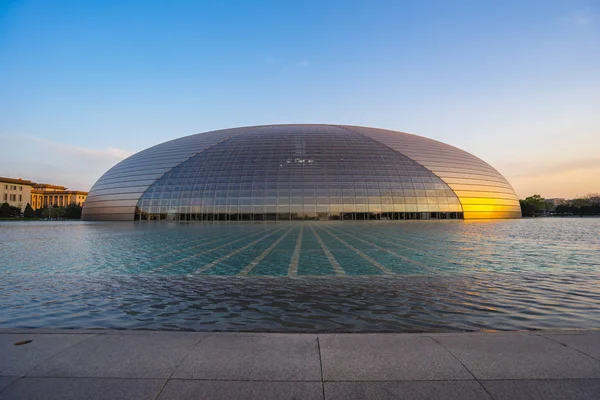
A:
(593, 198)
(579, 206)
(537, 201)
(15, 211)
(51, 212)
(583, 205)
(8, 211)
(5, 210)
(73, 211)
(533, 205)
(58, 212)
(548, 206)
(28, 213)
(581, 202)
(563, 209)
(39, 213)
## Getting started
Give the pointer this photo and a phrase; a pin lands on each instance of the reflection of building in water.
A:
(301, 172)
(19, 192)
(44, 195)
(15, 192)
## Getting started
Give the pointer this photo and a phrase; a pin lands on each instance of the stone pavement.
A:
(100, 364)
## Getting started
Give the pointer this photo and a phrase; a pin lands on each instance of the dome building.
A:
(301, 172)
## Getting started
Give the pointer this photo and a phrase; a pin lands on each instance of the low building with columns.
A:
(15, 192)
(44, 195)
(18, 192)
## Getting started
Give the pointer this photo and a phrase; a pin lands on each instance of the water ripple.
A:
(502, 275)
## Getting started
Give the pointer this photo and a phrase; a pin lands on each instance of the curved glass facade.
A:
(288, 172)
(483, 191)
(115, 195)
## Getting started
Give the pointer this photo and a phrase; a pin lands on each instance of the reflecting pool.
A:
(303, 276)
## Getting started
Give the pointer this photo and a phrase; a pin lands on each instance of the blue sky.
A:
(517, 83)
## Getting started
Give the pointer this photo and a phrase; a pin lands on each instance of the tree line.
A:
(72, 211)
(536, 205)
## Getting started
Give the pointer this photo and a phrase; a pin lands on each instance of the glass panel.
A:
(319, 169)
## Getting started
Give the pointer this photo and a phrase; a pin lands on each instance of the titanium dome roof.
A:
(283, 172)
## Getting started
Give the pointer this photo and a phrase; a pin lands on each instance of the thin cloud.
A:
(272, 60)
(583, 17)
(106, 153)
(54, 162)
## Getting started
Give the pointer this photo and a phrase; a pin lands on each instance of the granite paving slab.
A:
(267, 357)
(518, 356)
(380, 357)
(561, 389)
(82, 388)
(421, 390)
(5, 381)
(17, 360)
(137, 364)
(588, 344)
(228, 390)
(153, 355)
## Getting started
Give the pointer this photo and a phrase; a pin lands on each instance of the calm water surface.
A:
(378, 276)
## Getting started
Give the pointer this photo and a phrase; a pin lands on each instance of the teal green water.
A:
(411, 248)
(377, 276)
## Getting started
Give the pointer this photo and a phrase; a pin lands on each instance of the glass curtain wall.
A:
(483, 192)
(298, 172)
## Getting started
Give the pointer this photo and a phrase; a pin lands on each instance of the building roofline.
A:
(16, 180)
(48, 186)
(49, 193)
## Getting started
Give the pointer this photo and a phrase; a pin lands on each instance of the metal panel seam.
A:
(246, 130)
(418, 163)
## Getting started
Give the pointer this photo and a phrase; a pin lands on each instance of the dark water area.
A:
(422, 276)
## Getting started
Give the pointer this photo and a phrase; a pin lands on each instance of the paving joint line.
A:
(293, 268)
(206, 242)
(321, 365)
(233, 253)
(371, 260)
(567, 346)
(12, 383)
(167, 265)
(54, 355)
(300, 380)
(403, 243)
(243, 380)
(404, 258)
(336, 266)
(262, 255)
(534, 379)
(91, 377)
(202, 338)
(463, 365)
